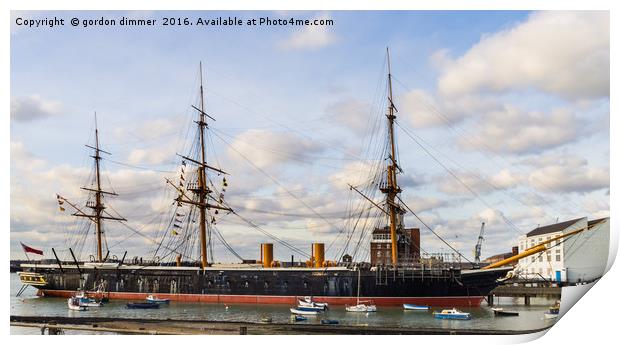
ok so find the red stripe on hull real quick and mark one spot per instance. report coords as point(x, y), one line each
point(457, 301)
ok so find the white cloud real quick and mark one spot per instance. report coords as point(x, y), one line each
point(151, 156)
point(565, 172)
point(267, 148)
point(310, 37)
point(33, 107)
point(479, 183)
point(351, 113)
point(512, 130)
point(35, 215)
point(562, 178)
point(154, 129)
point(563, 53)
point(421, 109)
point(505, 179)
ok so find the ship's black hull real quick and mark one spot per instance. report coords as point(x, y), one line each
point(384, 287)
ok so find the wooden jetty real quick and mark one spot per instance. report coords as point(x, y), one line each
point(57, 324)
point(526, 292)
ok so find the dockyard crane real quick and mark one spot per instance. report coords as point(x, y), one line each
point(478, 247)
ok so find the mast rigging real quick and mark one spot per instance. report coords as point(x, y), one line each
point(201, 189)
point(98, 206)
point(392, 189)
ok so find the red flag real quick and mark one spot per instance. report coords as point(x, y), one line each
point(31, 250)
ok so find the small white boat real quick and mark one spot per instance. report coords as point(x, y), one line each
point(86, 301)
point(452, 314)
point(502, 312)
point(361, 307)
point(550, 315)
point(154, 299)
point(298, 311)
point(553, 312)
point(416, 307)
point(74, 304)
point(308, 302)
point(89, 302)
point(315, 308)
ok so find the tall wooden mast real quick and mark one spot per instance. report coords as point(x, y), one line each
point(202, 178)
point(97, 206)
point(392, 185)
point(201, 189)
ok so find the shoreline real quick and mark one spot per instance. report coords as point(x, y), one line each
point(182, 327)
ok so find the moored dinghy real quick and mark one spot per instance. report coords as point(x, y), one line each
point(329, 322)
point(308, 302)
point(553, 312)
point(502, 312)
point(297, 318)
point(154, 299)
point(74, 304)
point(416, 307)
point(141, 305)
point(299, 311)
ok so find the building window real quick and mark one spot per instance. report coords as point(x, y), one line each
point(379, 254)
point(557, 258)
point(533, 259)
point(540, 258)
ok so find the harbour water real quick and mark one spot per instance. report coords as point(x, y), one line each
point(530, 317)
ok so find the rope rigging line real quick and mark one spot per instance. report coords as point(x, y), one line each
point(480, 178)
point(278, 183)
point(225, 243)
point(487, 151)
point(139, 167)
point(431, 230)
point(506, 220)
point(275, 238)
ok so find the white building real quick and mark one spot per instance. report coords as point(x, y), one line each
point(586, 254)
point(582, 257)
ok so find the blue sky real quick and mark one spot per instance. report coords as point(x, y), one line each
point(485, 89)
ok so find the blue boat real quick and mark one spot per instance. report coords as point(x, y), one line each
point(143, 305)
point(329, 322)
point(452, 314)
point(300, 318)
point(416, 307)
point(317, 309)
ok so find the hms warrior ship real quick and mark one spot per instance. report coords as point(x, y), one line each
point(397, 277)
